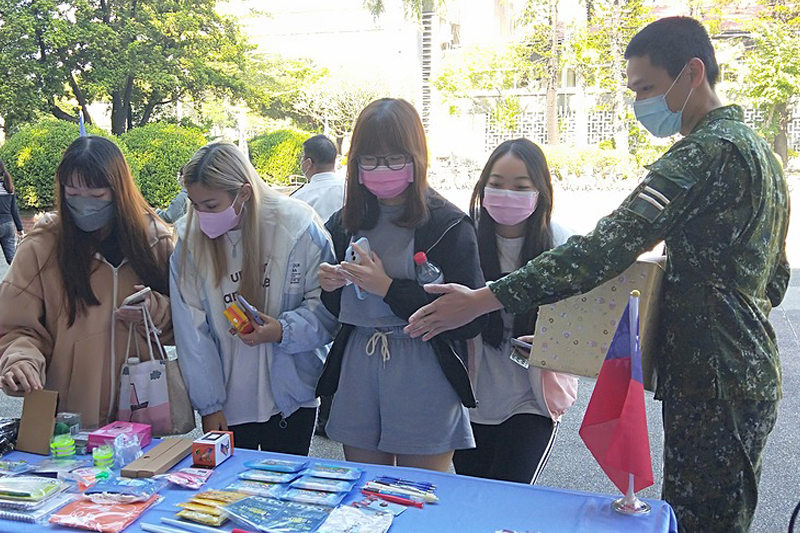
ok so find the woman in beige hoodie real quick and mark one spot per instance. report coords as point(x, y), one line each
point(60, 323)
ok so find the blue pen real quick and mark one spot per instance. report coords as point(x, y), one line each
point(427, 487)
point(421, 484)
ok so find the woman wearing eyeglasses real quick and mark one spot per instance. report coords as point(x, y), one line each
point(397, 400)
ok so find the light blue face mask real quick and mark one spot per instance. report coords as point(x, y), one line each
point(655, 115)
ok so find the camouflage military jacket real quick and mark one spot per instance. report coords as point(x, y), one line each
point(718, 199)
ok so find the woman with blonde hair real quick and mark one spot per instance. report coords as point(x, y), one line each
point(60, 323)
point(240, 237)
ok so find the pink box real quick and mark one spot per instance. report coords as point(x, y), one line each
point(107, 434)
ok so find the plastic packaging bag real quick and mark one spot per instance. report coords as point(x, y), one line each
point(122, 490)
point(126, 449)
point(321, 483)
point(190, 478)
point(351, 520)
point(269, 477)
point(315, 497)
point(277, 465)
point(14, 467)
point(276, 516)
point(85, 514)
point(257, 488)
point(28, 488)
point(334, 472)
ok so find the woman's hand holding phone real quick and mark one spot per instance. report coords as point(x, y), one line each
point(330, 277)
point(270, 331)
point(370, 274)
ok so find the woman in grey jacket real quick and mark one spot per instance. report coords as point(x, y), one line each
point(241, 237)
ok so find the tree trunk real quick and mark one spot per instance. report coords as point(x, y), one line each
point(120, 108)
point(551, 98)
point(76, 90)
point(781, 142)
point(617, 60)
point(119, 114)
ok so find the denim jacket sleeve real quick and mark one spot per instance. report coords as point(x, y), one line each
point(198, 348)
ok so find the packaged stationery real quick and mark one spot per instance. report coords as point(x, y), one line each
point(14, 467)
point(316, 497)
point(277, 516)
point(40, 513)
point(257, 488)
point(277, 465)
point(106, 518)
point(334, 472)
point(190, 478)
point(224, 496)
point(202, 518)
point(322, 483)
point(123, 490)
point(266, 475)
point(352, 520)
point(59, 467)
point(28, 488)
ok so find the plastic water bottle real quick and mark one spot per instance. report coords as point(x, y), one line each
point(427, 272)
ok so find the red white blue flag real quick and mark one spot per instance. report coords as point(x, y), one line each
point(614, 427)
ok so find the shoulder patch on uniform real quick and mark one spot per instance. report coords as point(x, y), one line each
point(655, 196)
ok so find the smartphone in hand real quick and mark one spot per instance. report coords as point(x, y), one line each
point(522, 345)
point(351, 256)
point(250, 309)
point(137, 297)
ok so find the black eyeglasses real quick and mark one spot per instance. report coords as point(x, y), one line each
point(393, 161)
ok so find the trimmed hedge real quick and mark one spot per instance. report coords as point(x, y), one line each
point(276, 154)
point(33, 154)
point(160, 150)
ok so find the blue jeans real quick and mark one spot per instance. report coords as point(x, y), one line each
point(8, 240)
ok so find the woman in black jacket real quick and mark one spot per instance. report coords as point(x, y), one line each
point(397, 400)
point(9, 215)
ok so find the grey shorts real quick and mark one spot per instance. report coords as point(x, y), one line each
point(396, 400)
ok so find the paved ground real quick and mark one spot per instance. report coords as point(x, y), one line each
point(571, 466)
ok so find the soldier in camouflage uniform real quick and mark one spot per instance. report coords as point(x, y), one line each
point(718, 199)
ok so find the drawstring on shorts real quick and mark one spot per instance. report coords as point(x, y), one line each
point(372, 343)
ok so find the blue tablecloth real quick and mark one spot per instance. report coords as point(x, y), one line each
point(465, 504)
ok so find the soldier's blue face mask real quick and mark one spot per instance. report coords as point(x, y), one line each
point(655, 115)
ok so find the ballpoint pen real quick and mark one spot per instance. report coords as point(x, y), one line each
point(422, 485)
point(393, 499)
point(427, 497)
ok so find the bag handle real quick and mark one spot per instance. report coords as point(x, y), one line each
point(152, 337)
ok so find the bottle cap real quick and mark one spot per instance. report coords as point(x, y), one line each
point(420, 258)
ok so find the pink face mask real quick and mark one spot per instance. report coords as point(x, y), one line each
point(386, 183)
point(216, 224)
point(509, 208)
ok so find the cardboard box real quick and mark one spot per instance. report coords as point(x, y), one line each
point(573, 335)
point(38, 421)
point(161, 458)
point(212, 449)
point(107, 434)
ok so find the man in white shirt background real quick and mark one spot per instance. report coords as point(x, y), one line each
point(324, 190)
point(325, 193)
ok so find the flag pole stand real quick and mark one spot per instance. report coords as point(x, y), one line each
point(630, 504)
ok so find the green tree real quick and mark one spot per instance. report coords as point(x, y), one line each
point(772, 80)
point(599, 53)
point(159, 150)
point(32, 155)
point(139, 54)
point(333, 103)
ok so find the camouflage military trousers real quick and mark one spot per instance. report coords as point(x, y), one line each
point(712, 461)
